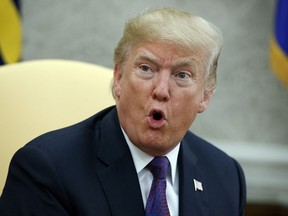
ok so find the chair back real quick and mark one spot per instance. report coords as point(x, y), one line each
point(44, 95)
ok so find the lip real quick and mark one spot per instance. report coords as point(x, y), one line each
point(153, 121)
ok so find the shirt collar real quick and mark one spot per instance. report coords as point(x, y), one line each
point(141, 159)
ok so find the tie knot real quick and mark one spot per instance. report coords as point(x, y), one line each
point(159, 167)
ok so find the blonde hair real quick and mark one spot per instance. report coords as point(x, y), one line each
point(189, 31)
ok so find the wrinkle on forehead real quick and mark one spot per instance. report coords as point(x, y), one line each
point(175, 59)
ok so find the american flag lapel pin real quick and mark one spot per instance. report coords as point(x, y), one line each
point(197, 185)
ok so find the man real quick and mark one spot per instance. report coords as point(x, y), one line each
point(120, 161)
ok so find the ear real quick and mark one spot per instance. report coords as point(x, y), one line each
point(117, 80)
point(207, 95)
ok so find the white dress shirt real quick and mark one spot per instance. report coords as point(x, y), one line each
point(141, 160)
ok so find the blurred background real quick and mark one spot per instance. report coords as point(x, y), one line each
point(248, 116)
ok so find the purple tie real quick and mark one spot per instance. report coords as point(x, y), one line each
point(157, 202)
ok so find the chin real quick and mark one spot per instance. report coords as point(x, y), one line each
point(156, 147)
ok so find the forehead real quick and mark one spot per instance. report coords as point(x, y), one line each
point(164, 52)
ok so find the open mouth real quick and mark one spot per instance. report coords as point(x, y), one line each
point(157, 119)
point(157, 116)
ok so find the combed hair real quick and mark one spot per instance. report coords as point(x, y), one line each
point(191, 33)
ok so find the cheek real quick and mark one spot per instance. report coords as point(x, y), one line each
point(185, 107)
point(136, 88)
point(131, 92)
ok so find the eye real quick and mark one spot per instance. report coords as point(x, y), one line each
point(145, 68)
point(183, 75)
point(145, 71)
point(184, 78)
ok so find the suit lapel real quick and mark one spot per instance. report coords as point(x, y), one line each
point(191, 202)
point(119, 178)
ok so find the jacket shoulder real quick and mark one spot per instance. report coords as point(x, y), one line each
point(71, 133)
point(202, 147)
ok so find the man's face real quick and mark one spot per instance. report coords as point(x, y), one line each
point(159, 91)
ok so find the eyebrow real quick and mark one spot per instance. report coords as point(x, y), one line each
point(181, 61)
point(148, 56)
point(186, 62)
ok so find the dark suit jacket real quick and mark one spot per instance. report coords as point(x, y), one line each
point(87, 169)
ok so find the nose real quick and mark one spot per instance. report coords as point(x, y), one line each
point(161, 90)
